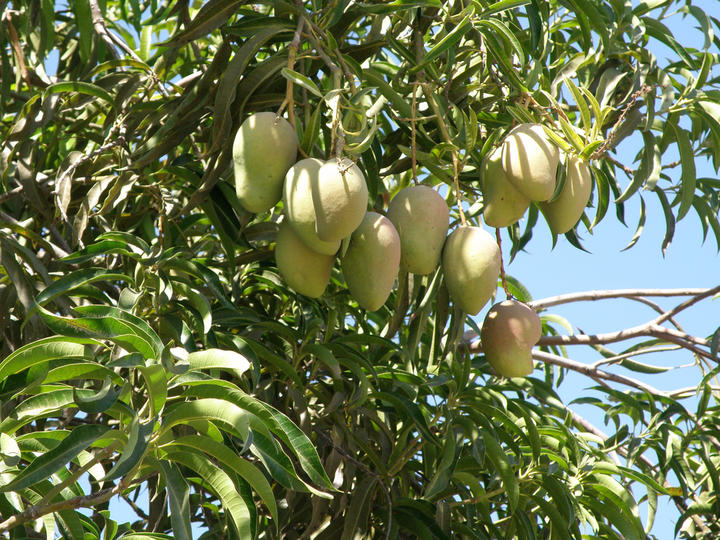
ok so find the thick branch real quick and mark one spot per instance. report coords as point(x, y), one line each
point(618, 293)
point(83, 501)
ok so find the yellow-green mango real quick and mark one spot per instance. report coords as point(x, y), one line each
point(340, 196)
point(509, 332)
point(371, 262)
point(299, 207)
point(421, 217)
point(503, 203)
point(471, 264)
point(303, 269)
point(530, 160)
point(265, 147)
point(564, 212)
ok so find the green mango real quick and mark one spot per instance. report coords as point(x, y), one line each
point(372, 260)
point(265, 147)
point(421, 217)
point(509, 332)
point(503, 203)
point(564, 212)
point(340, 197)
point(530, 160)
point(303, 269)
point(299, 206)
point(471, 264)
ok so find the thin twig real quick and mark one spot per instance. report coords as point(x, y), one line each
point(560, 361)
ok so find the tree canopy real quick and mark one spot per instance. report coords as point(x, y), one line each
point(150, 344)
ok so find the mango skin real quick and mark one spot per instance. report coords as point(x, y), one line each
point(564, 212)
point(421, 217)
point(340, 196)
point(265, 147)
point(509, 332)
point(504, 204)
point(471, 264)
point(299, 207)
point(530, 160)
point(304, 270)
point(372, 261)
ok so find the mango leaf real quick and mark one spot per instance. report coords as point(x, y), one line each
point(125, 334)
point(274, 420)
point(9, 450)
point(231, 361)
point(99, 402)
point(218, 481)
point(44, 351)
point(134, 450)
point(228, 458)
point(213, 14)
point(75, 279)
point(179, 501)
point(45, 465)
point(503, 468)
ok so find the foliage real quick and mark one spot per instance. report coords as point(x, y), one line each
point(150, 344)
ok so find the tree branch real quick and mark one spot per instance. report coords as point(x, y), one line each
point(595, 372)
point(537, 305)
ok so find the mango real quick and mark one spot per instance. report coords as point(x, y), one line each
point(372, 260)
point(504, 204)
point(340, 197)
point(564, 212)
point(471, 264)
point(299, 207)
point(303, 269)
point(265, 147)
point(421, 217)
point(530, 160)
point(509, 332)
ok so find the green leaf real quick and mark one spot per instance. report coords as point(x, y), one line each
point(689, 177)
point(231, 76)
point(231, 361)
point(44, 351)
point(275, 421)
point(80, 88)
point(218, 481)
point(99, 402)
point(213, 14)
point(45, 465)
point(356, 517)
point(179, 501)
point(447, 42)
point(229, 458)
point(498, 458)
point(9, 450)
point(301, 80)
point(134, 450)
point(126, 334)
point(156, 383)
point(76, 279)
point(225, 412)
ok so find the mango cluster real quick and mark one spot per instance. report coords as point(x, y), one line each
point(325, 203)
point(523, 169)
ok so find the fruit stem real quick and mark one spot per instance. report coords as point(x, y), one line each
point(456, 179)
point(413, 156)
point(502, 266)
point(292, 54)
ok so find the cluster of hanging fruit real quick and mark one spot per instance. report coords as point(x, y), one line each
point(325, 203)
